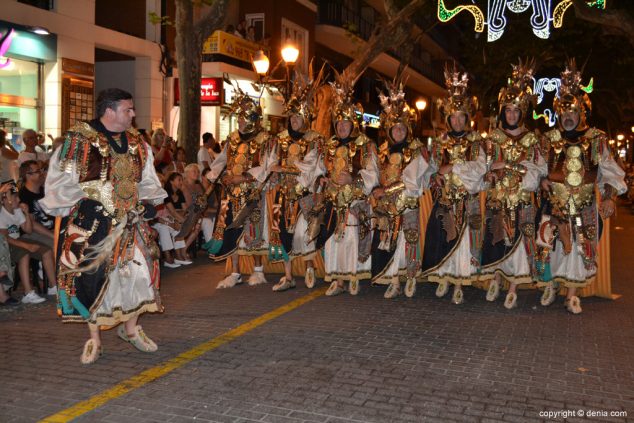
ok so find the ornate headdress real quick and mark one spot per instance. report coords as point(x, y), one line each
point(573, 97)
point(300, 100)
point(244, 106)
point(457, 100)
point(395, 108)
point(518, 91)
point(344, 107)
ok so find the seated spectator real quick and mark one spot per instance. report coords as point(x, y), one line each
point(29, 137)
point(176, 205)
point(205, 158)
point(195, 197)
point(8, 157)
point(13, 217)
point(168, 228)
point(41, 147)
point(30, 193)
point(162, 171)
point(212, 192)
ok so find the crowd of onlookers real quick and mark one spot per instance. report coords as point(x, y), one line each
point(248, 32)
point(183, 224)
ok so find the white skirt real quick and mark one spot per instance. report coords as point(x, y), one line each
point(341, 255)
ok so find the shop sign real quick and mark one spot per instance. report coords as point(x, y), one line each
point(227, 44)
point(210, 91)
point(77, 67)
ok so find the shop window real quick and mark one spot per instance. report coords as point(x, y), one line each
point(19, 99)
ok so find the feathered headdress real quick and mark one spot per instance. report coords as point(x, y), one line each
point(518, 90)
point(344, 107)
point(300, 100)
point(457, 85)
point(573, 96)
point(243, 105)
point(395, 108)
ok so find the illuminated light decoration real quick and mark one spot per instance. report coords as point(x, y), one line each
point(547, 85)
point(5, 43)
point(590, 87)
point(542, 14)
point(444, 14)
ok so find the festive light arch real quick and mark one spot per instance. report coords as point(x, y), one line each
point(541, 18)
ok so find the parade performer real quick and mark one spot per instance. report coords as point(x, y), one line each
point(352, 166)
point(103, 183)
point(404, 174)
point(453, 237)
point(516, 168)
point(243, 169)
point(299, 150)
point(579, 161)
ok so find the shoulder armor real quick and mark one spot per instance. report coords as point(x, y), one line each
point(529, 140)
point(498, 136)
point(594, 134)
point(362, 139)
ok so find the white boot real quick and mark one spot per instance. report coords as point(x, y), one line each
point(354, 287)
point(511, 300)
point(230, 281)
point(256, 278)
point(573, 304)
point(443, 288)
point(393, 290)
point(458, 296)
point(548, 297)
point(410, 287)
point(309, 278)
point(334, 289)
point(284, 284)
point(494, 290)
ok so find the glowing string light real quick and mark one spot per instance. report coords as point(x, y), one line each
point(547, 85)
point(444, 14)
point(542, 14)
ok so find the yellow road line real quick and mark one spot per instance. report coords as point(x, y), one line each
point(180, 360)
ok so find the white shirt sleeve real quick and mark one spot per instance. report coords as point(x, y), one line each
point(61, 189)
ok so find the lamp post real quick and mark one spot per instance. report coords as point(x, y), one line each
point(421, 104)
point(261, 64)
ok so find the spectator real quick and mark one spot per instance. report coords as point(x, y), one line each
point(29, 137)
point(30, 193)
point(161, 147)
point(178, 165)
point(205, 158)
point(176, 205)
point(8, 156)
point(251, 34)
point(241, 29)
point(41, 146)
point(14, 217)
point(6, 281)
point(194, 195)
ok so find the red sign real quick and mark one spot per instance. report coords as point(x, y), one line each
point(210, 91)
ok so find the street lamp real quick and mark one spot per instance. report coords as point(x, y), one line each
point(261, 63)
point(420, 104)
point(620, 137)
point(290, 53)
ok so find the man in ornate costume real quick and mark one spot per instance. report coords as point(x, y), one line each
point(579, 161)
point(404, 174)
point(300, 165)
point(102, 181)
point(516, 168)
point(243, 169)
point(352, 166)
point(453, 234)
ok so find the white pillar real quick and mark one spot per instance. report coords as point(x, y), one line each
point(148, 93)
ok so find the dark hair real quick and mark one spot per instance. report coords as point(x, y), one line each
point(109, 99)
point(179, 149)
point(24, 168)
point(168, 183)
point(161, 167)
point(207, 136)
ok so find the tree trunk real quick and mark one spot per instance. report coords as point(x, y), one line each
point(188, 45)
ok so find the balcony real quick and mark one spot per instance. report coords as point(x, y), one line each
point(228, 48)
point(335, 13)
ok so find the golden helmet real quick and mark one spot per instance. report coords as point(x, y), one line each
point(518, 91)
point(457, 100)
point(300, 101)
point(244, 106)
point(344, 107)
point(395, 108)
point(573, 96)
